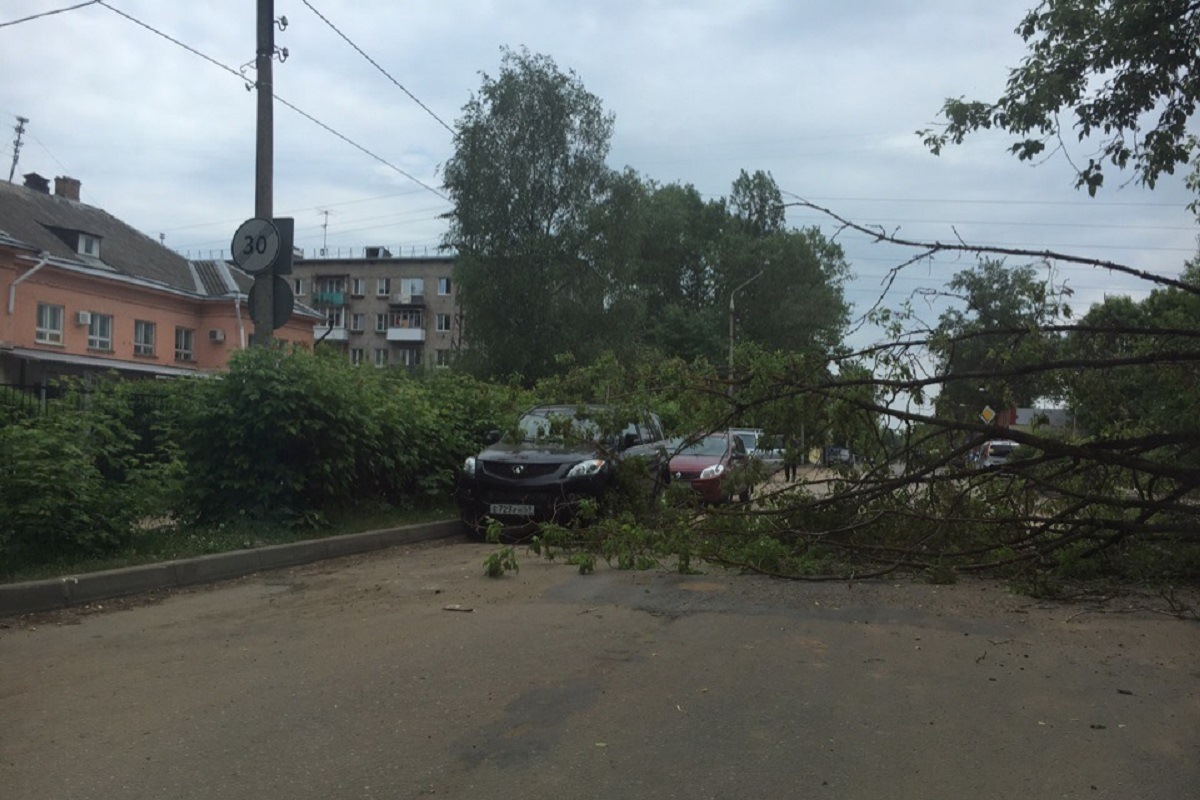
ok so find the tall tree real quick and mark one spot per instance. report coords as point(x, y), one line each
point(984, 346)
point(757, 203)
point(1126, 72)
point(527, 174)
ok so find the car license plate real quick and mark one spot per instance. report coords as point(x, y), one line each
point(511, 509)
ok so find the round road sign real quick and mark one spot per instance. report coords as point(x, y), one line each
point(255, 245)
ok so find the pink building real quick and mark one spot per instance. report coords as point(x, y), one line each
point(83, 292)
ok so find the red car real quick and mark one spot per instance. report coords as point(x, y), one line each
point(709, 464)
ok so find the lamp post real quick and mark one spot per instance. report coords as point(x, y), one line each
point(737, 289)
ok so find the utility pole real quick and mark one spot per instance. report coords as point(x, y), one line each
point(737, 289)
point(20, 129)
point(262, 312)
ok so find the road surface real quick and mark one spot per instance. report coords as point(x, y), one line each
point(407, 674)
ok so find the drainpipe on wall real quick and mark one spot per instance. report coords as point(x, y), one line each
point(237, 307)
point(44, 258)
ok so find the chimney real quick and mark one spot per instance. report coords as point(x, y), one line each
point(67, 187)
point(37, 183)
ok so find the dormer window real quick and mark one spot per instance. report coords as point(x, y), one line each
point(89, 245)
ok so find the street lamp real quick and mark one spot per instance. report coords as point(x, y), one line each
point(737, 289)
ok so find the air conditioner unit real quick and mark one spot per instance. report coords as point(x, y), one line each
point(216, 335)
point(83, 318)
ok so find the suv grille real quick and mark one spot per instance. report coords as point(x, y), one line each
point(516, 471)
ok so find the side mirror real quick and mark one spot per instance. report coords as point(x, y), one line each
point(491, 438)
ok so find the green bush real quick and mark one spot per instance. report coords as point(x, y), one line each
point(287, 434)
point(72, 480)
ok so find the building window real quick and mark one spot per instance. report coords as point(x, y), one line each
point(443, 357)
point(410, 288)
point(443, 323)
point(49, 324)
point(100, 332)
point(331, 285)
point(143, 338)
point(356, 356)
point(358, 322)
point(185, 344)
point(383, 286)
point(410, 358)
point(443, 286)
point(381, 357)
point(381, 323)
point(298, 287)
point(407, 319)
point(89, 245)
point(335, 317)
point(358, 287)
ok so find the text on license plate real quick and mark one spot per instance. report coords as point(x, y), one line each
point(511, 509)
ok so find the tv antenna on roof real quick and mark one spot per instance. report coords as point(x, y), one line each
point(20, 129)
point(324, 230)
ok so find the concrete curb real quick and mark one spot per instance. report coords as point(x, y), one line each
point(22, 598)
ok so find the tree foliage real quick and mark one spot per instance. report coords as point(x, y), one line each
point(984, 346)
point(1122, 72)
point(526, 176)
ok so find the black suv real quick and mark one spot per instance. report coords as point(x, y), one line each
point(555, 457)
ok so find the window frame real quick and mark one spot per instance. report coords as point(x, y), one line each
point(186, 353)
point(441, 318)
point(97, 340)
point(444, 287)
point(143, 345)
point(45, 329)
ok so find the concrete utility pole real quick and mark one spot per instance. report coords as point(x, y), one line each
point(737, 289)
point(20, 129)
point(264, 167)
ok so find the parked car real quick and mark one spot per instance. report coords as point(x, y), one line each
point(767, 449)
point(993, 453)
point(834, 456)
point(711, 465)
point(556, 457)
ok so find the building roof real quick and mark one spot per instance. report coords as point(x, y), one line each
point(44, 222)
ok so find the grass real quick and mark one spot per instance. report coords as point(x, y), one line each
point(166, 542)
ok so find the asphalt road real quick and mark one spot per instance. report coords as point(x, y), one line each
point(351, 679)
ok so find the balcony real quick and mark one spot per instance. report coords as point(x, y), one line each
point(403, 299)
point(406, 334)
point(329, 298)
point(327, 334)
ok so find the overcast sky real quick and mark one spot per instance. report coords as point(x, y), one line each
point(824, 94)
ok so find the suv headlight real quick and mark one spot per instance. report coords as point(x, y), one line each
point(589, 467)
point(469, 467)
point(713, 471)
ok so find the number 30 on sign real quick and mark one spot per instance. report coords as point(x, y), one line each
point(255, 245)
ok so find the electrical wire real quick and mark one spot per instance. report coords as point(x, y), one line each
point(376, 65)
point(279, 99)
point(49, 13)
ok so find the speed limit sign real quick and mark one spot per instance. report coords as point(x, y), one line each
point(255, 245)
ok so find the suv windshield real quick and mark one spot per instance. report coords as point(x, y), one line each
point(558, 426)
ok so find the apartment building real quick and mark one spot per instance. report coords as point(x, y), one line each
point(85, 293)
point(382, 309)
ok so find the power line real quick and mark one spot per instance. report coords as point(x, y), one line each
point(50, 13)
point(375, 64)
point(279, 99)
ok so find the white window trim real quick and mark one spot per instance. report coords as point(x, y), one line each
point(49, 333)
point(95, 340)
point(187, 353)
point(141, 347)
